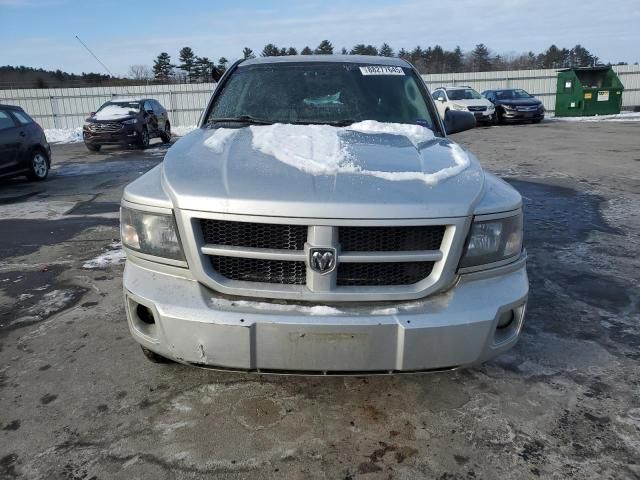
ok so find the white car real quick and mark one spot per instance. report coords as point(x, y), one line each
point(465, 99)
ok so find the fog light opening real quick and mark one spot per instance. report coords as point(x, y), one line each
point(506, 319)
point(145, 315)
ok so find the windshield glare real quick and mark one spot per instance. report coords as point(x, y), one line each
point(322, 93)
point(463, 94)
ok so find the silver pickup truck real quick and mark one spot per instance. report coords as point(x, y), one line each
point(320, 221)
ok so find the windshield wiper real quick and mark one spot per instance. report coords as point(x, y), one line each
point(241, 118)
point(334, 123)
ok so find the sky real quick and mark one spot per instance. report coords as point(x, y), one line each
point(41, 33)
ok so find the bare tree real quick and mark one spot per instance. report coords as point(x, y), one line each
point(140, 72)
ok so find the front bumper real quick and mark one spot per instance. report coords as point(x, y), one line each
point(195, 325)
point(515, 115)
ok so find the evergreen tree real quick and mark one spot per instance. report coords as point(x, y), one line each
point(270, 50)
point(187, 61)
point(385, 50)
point(201, 70)
point(362, 49)
point(325, 48)
point(481, 58)
point(222, 64)
point(292, 51)
point(162, 67)
point(306, 51)
point(344, 51)
point(247, 53)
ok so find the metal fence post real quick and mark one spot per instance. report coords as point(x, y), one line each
point(54, 113)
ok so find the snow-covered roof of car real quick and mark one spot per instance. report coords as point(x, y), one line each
point(364, 59)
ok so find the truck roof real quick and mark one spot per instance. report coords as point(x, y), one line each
point(363, 59)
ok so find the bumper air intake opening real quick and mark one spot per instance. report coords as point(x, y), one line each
point(508, 325)
point(145, 315)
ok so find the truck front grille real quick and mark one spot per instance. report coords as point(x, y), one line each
point(273, 260)
point(254, 235)
point(391, 239)
point(260, 270)
point(379, 274)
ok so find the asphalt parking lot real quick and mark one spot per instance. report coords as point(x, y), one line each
point(79, 400)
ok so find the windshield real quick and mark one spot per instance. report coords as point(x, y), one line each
point(463, 94)
point(510, 94)
point(126, 106)
point(335, 93)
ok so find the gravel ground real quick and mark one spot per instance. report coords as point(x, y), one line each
point(79, 401)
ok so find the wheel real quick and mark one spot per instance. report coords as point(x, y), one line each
point(144, 138)
point(166, 134)
point(153, 357)
point(93, 147)
point(494, 119)
point(39, 168)
point(537, 120)
point(500, 118)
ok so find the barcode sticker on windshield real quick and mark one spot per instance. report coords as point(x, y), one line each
point(381, 70)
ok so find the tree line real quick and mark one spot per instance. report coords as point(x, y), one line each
point(434, 59)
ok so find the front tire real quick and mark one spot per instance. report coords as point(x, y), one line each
point(93, 147)
point(144, 138)
point(39, 168)
point(166, 134)
point(153, 357)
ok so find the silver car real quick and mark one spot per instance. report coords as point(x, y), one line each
point(321, 221)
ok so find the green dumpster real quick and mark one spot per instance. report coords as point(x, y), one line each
point(588, 91)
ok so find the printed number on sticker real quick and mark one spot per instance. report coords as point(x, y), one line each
point(381, 70)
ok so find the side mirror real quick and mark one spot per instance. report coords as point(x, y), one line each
point(92, 114)
point(441, 99)
point(457, 121)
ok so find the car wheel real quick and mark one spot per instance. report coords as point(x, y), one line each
point(537, 120)
point(166, 134)
point(153, 357)
point(93, 147)
point(499, 118)
point(144, 138)
point(39, 168)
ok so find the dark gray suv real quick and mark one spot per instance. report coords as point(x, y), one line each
point(127, 121)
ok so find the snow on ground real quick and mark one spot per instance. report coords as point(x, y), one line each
point(620, 117)
point(114, 256)
point(64, 135)
point(182, 130)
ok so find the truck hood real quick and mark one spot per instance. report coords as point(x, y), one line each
point(384, 176)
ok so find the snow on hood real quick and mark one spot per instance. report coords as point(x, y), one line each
point(114, 112)
point(319, 149)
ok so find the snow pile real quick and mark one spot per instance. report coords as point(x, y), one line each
point(114, 112)
point(63, 135)
point(416, 134)
point(182, 130)
point(318, 149)
point(620, 117)
point(114, 256)
point(315, 149)
point(220, 137)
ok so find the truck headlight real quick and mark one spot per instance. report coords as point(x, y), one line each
point(493, 240)
point(130, 121)
point(150, 233)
